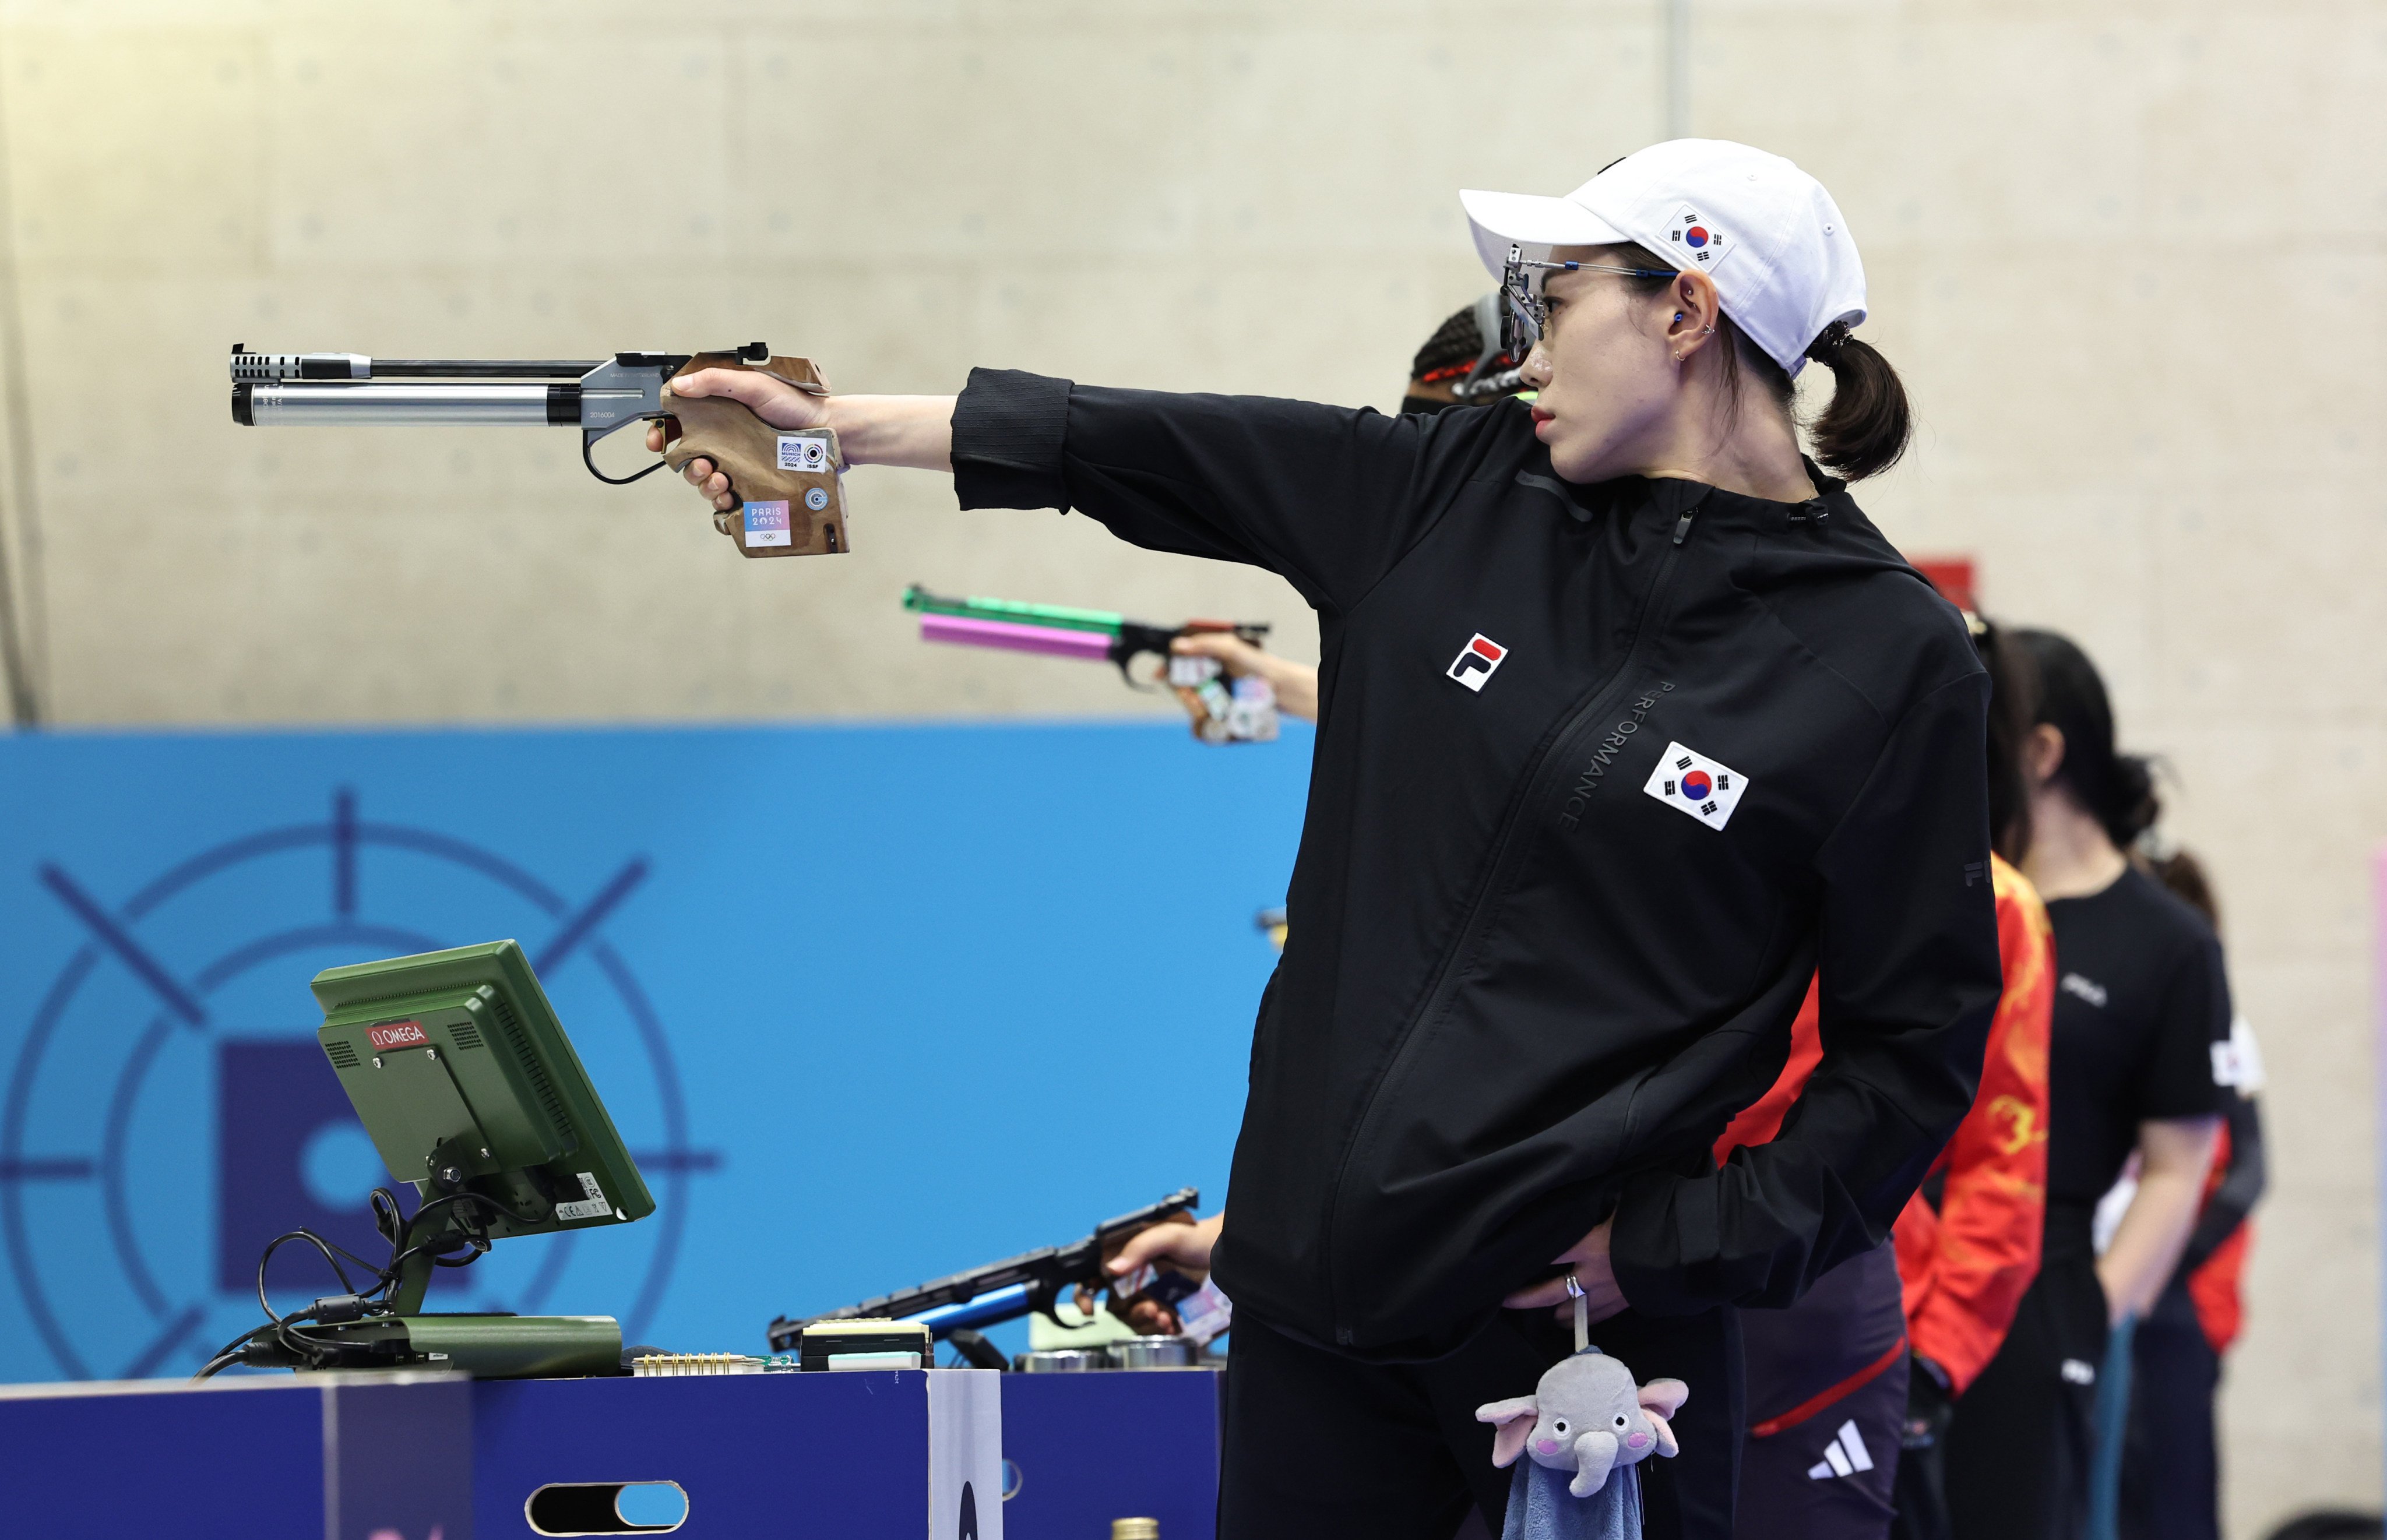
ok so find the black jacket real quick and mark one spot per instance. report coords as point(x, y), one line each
point(1520, 994)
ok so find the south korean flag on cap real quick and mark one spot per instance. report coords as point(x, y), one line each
point(1696, 240)
point(1689, 782)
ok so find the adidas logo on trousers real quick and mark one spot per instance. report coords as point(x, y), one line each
point(1845, 1456)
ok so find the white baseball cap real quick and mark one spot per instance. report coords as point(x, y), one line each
point(1782, 261)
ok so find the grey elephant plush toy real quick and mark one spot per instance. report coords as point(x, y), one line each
point(1585, 1420)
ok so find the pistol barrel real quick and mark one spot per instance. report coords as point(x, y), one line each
point(259, 405)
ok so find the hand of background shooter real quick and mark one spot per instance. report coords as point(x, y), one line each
point(1295, 684)
point(1184, 1246)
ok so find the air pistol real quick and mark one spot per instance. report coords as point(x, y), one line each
point(786, 479)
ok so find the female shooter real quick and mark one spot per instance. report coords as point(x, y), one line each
point(1629, 720)
point(2141, 999)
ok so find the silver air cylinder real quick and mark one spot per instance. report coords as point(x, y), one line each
point(314, 404)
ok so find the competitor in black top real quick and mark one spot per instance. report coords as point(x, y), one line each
point(1630, 722)
point(2141, 1002)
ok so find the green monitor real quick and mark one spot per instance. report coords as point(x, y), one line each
point(470, 1091)
point(462, 1075)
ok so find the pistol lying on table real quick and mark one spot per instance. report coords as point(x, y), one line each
point(786, 479)
point(1032, 1282)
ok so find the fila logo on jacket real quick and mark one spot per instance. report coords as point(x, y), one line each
point(1477, 661)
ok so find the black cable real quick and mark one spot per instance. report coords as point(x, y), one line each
point(373, 1267)
point(389, 1221)
point(393, 1224)
point(236, 1343)
point(316, 1353)
point(296, 1349)
point(480, 1249)
point(321, 1245)
point(226, 1359)
point(474, 1197)
point(439, 1257)
point(438, 1246)
point(231, 1353)
point(283, 1325)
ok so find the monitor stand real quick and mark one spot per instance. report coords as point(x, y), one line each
point(485, 1344)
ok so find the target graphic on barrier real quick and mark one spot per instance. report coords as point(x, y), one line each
point(169, 1111)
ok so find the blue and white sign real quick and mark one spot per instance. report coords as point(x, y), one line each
point(960, 991)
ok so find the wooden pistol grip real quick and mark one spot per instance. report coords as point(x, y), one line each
point(786, 479)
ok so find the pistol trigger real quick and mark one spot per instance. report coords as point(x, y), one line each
point(1123, 655)
point(589, 437)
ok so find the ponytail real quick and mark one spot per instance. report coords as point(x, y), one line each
point(1865, 429)
point(2136, 804)
point(2117, 789)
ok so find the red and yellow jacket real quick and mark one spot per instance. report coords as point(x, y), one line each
point(2212, 1285)
point(1965, 1264)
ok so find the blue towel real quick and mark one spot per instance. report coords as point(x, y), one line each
point(1540, 1506)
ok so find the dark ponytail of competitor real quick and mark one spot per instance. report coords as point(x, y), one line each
point(1865, 430)
point(2117, 789)
point(2013, 711)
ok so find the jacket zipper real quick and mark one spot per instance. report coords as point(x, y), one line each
point(1603, 696)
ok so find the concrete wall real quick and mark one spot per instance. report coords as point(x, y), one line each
point(2129, 254)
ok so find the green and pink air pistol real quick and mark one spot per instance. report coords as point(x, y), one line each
point(1058, 631)
point(1225, 709)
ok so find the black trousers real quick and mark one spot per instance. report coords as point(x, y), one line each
point(1319, 1445)
point(1829, 1475)
point(1793, 1487)
point(2018, 1447)
point(2171, 1474)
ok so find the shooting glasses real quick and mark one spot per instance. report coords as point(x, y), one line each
point(1523, 312)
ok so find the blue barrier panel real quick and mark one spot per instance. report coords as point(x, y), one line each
point(327, 1458)
point(866, 1455)
point(1084, 1449)
point(869, 1005)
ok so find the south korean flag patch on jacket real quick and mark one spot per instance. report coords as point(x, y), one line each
point(1689, 782)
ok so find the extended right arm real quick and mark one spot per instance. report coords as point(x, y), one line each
point(1327, 496)
point(915, 431)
